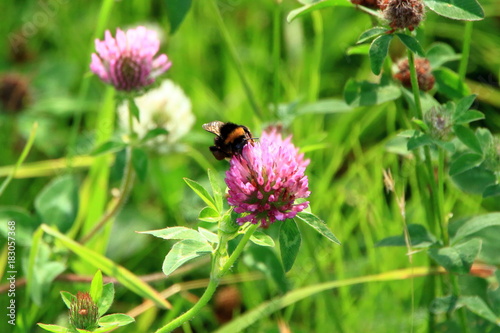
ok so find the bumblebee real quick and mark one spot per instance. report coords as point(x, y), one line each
point(230, 138)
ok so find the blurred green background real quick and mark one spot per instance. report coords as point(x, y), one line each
point(48, 44)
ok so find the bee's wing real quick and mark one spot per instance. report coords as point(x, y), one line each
point(213, 127)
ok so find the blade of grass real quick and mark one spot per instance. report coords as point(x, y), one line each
point(236, 60)
point(124, 276)
point(104, 14)
point(47, 168)
point(269, 307)
point(21, 159)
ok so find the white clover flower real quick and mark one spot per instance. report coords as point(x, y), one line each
point(164, 107)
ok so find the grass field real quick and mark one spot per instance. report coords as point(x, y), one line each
point(243, 62)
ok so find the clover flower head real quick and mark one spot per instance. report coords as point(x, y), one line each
point(14, 92)
point(83, 312)
point(165, 107)
point(424, 74)
point(439, 121)
point(128, 61)
point(403, 14)
point(265, 180)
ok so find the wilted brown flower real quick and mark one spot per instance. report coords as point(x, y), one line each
point(14, 92)
point(424, 76)
point(227, 302)
point(403, 14)
point(18, 48)
point(367, 3)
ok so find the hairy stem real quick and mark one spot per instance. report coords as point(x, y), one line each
point(462, 69)
point(217, 273)
point(125, 187)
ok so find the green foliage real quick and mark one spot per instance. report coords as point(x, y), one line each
point(106, 299)
point(477, 224)
point(315, 5)
point(365, 93)
point(290, 240)
point(418, 237)
point(133, 109)
point(378, 52)
point(114, 320)
point(182, 252)
point(450, 84)
point(411, 43)
point(313, 78)
point(42, 269)
point(371, 34)
point(475, 304)
point(25, 226)
point(57, 203)
point(265, 260)
point(262, 239)
point(325, 106)
point(176, 12)
point(440, 53)
point(176, 233)
point(476, 180)
point(208, 214)
point(54, 328)
point(208, 235)
point(457, 258)
point(465, 162)
point(202, 193)
point(468, 138)
point(96, 287)
point(140, 163)
point(155, 132)
point(124, 276)
point(317, 224)
point(109, 147)
point(216, 190)
point(68, 298)
point(479, 307)
point(467, 10)
point(102, 296)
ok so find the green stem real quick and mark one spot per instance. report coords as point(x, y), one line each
point(125, 188)
point(235, 59)
point(440, 199)
point(432, 290)
point(433, 188)
point(21, 158)
point(426, 179)
point(314, 70)
point(276, 55)
point(332, 307)
point(419, 115)
point(414, 85)
point(462, 69)
point(236, 253)
point(104, 13)
point(437, 188)
point(215, 276)
point(462, 315)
